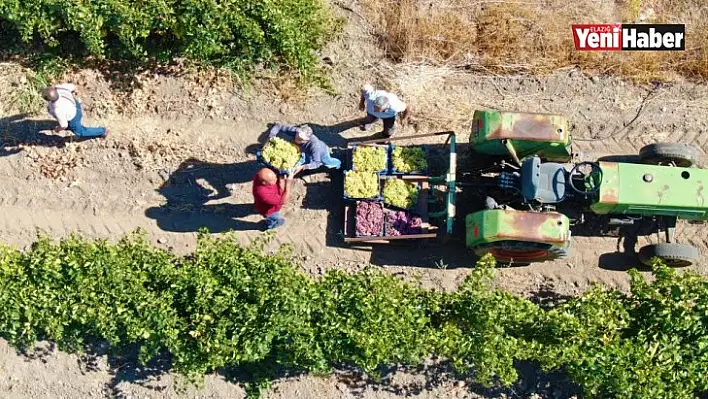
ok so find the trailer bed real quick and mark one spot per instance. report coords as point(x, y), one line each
point(431, 188)
point(421, 210)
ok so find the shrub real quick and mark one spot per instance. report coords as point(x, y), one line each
point(237, 33)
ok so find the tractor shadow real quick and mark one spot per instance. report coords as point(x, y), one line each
point(193, 185)
point(19, 131)
point(624, 257)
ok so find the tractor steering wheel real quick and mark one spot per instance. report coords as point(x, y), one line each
point(591, 175)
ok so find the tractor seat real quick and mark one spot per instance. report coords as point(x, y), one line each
point(543, 182)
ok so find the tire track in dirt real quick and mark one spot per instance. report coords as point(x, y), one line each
point(22, 218)
point(117, 215)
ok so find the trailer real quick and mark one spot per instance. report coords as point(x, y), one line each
point(435, 205)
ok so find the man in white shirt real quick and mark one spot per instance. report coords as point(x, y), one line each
point(66, 109)
point(380, 104)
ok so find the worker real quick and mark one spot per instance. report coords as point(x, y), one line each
point(66, 109)
point(270, 193)
point(380, 104)
point(317, 154)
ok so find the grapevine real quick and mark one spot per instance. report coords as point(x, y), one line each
point(400, 193)
point(369, 159)
point(358, 184)
point(369, 218)
point(281, 154)
point(229, 306)
point(239, 36)
point(409, 159)
point(402, 223)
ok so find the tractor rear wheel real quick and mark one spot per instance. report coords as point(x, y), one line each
point(673, 255)
point(682, 155)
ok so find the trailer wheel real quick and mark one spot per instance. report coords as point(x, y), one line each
point(673, 255)
point(682, 155)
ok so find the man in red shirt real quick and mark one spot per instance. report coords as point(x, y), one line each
point(270, 193)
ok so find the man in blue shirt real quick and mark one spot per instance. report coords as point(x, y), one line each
point(380, 104)
point(316, 152)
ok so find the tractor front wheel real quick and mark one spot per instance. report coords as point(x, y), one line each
point(681, 155)
point(522, 253)
point(673, 255)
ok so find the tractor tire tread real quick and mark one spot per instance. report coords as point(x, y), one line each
point(652, 153)
point(669, 251)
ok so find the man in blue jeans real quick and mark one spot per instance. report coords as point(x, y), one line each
point(317, 154)
point(66, 109)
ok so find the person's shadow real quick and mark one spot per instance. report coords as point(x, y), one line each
point(187, 210)
point(18, 130)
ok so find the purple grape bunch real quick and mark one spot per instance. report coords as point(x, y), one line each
point(402, 223)
point(369, 218)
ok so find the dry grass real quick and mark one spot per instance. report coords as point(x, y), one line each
point(419, 85)
point(535, 37)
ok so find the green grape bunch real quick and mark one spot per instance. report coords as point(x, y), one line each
point(281, 154)
point(409, 159)
point(400, 193)
point(359, 184)
point(369, 159)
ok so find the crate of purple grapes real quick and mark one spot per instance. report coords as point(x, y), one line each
point(401, 223)
point(369, 219)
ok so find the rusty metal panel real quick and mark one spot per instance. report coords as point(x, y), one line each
point(547, 227)
point(608, 195)
point(531, 127)
point(506, 224)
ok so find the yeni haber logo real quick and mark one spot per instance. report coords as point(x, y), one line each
point(630, 37)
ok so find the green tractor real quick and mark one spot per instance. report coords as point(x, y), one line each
point(531, 205)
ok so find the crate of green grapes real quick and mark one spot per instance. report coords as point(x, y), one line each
point(360, 185)
point(280, 155)
point(400, 194)
point(370, 158)
point(408, 160)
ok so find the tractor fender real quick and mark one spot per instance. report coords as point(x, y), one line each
point(493, 225)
